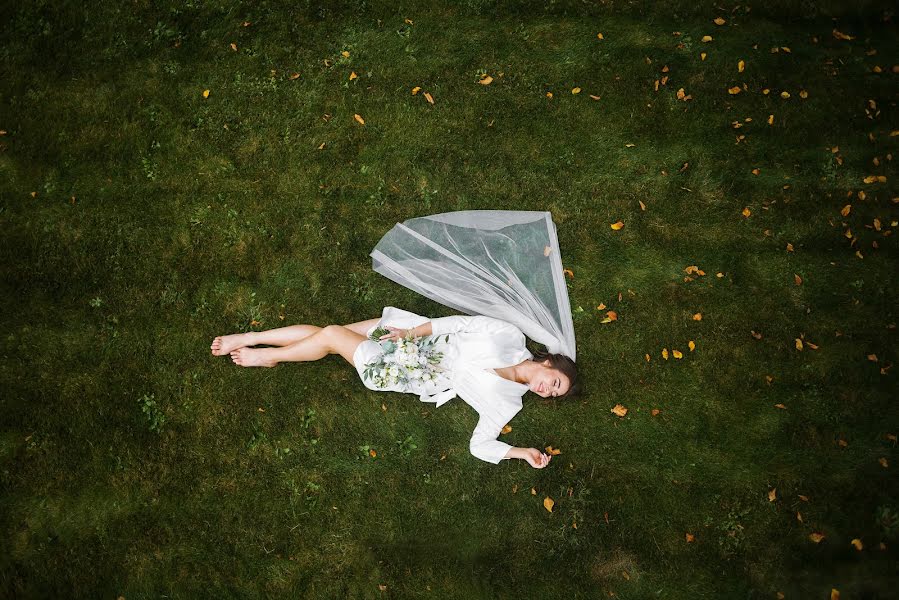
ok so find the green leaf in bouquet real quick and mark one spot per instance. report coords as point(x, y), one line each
point(377, 333)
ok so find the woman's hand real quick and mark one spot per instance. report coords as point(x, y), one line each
point(535, 458)
point(395, 333)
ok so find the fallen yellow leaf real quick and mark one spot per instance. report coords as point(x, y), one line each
point(677, 354)
point(655, 412)
point(734, 90)
point(372, 453)
point(665, 353)
point(798, 280)
point(553, 451)
point(746, 212)
point(548, 503)
point(415, 90)
point(857, 543)
point(506, 429)
point(702, 55)
point(772, 495)
point(785, 95)
point(719, 21)
point(576, 90)
point(803, 94)
point(697, 317)
point(205, 93)
point(359, 119)
point(345, 54)
point(740, 66)
point(429, 98)
point(770, 119)
point(486, 80)
point(842, 36)
point(692, 346)
point(816, 537)
point(619, 410)
point(689, 537)
point(353, 75)
point(234, 46)
point(616, 226)
point(599, 36)
point(707, 38)
point(798, 344)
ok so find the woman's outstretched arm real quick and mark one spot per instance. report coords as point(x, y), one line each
point(485, 446)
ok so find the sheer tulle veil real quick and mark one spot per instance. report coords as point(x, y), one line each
point(504, 264)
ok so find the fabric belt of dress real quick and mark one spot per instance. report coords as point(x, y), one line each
point(439, 398)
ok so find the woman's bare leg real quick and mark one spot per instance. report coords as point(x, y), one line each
point(333, 339)
point(282, 336)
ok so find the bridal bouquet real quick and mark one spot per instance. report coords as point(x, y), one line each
point(408, 360)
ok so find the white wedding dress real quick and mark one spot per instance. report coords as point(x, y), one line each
point(476, 346)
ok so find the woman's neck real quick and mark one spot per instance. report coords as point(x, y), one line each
point(514, 373)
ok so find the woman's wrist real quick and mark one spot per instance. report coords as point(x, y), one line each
point(514, 452)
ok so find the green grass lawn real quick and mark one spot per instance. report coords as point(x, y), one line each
point(141, 219)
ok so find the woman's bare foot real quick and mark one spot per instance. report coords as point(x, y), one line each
point(225, 344)
point(253, 357)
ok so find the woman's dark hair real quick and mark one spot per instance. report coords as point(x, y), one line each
point(566, 366)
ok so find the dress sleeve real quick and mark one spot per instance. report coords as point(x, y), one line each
point(484, 444)
point(464, 324)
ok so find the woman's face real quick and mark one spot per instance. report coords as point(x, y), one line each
point(549, 382)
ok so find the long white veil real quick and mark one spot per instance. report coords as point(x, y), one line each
point(504, 264)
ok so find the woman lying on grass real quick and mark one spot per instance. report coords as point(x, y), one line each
point(481, 359)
